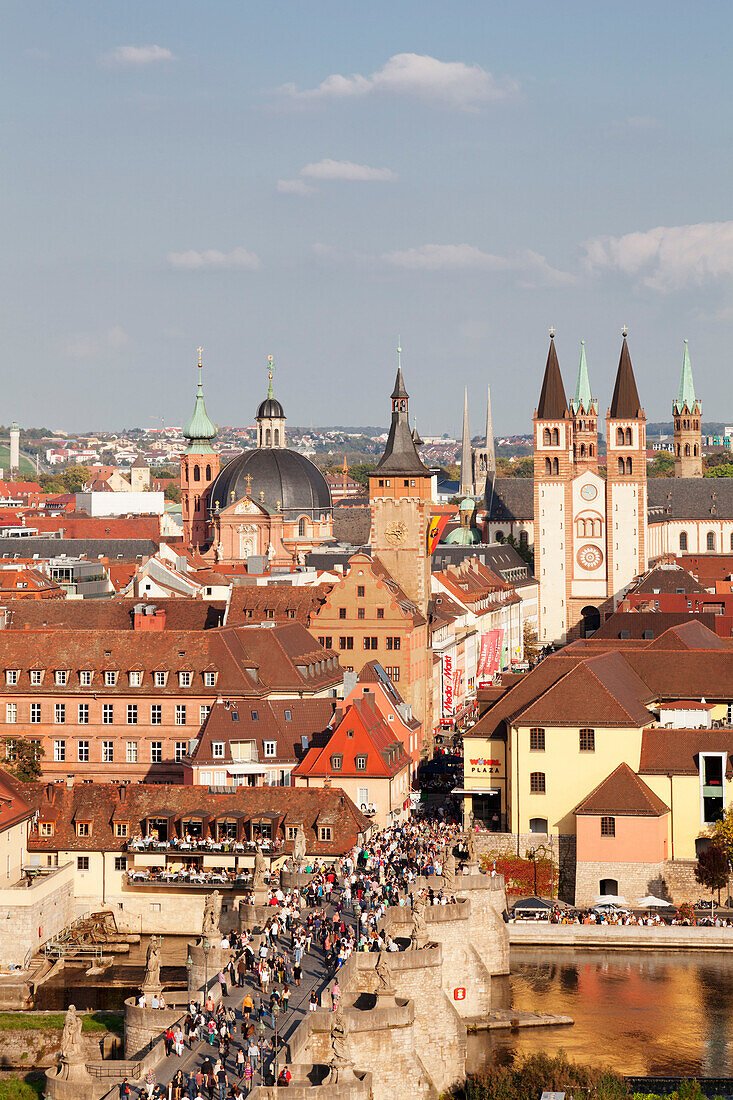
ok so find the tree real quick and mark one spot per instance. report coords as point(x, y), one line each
point(529, 638)
point(523, 549)
point(723, 833)
point(360, 472)
point(723, 469)
point(173, 492)
point(23, 758)
point(520, 467)
point(712, 868)
point(662, 465)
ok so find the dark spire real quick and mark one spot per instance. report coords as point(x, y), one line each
point(625, 403)
point(399, 390)
point(553, 404)
point(400, 453)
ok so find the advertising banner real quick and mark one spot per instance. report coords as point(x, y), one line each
point(448, 705)
point(490, 656)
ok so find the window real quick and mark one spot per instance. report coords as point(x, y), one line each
point(10, 751)
point(136, 678)
point(59, 713)
point(209, 679)
point(380, 612)
point(336, 761)
point(608, 886)
point(342, 613)
point(62, 677)
point(120, 863)
point(156, 752)
point(35, 747)
point(361, 762)
point(360, 613)
point(587, 740)
point(711, 540)
point(46, 828)
point(537, 782)
point(538, 825)
point(608, 826)
point(85, 678)
point(291, 831)
point(83, 828)
point(11, 713)
point(82, 863)
point(546, 437)
point(82, 750)
point(35, 713)
point(204, 711)
point(301, 528)
point(683, 540)
point(108, 752)
point(621, 466)
point(131, 752)
point(270, 748)
point(537, 740)
point(181, 750)
point(59, 751)
point(11, 676)
point(370, 643)
point(36, 676)
point(325, 832)
point(346, 643)
point(132, 714)
point(159, 678)
point(108, 714)
point(110, 678)
point(288, 715)
point(255, 715)
point(393, 643)
point(180, 714)
point(83, 714)
point(184, 679)
point(326, 642)
point(555, 437)
point(156, 715)
point(394, 673)
point(360, 590)
point(217, 749)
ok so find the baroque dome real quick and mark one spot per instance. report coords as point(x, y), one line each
point(281, 476)
point(270, 409)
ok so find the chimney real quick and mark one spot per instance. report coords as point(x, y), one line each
point(122, 792)
point(69, 781)
point(148, 617)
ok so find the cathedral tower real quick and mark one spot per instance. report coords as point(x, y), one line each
point(584, 408)
point(687, 416)
point(553, 468)
point(199, 468)
point(484, 461)
point(270, 416)
point(626, 489)
point(466, 482)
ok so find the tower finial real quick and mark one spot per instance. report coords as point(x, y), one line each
point(270, 369)
point(201, 365)
point(625, 331)
point(552, 332)
point(399, 354)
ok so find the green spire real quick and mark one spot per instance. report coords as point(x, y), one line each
point(686, 395)
point(200, 429)
point(583, 396)
point(270, 369)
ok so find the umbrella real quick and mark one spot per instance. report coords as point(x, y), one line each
point(609, 899)
point(650, 902)
point(535, 905)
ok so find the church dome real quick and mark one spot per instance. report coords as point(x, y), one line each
point(462, 536)
point(270, 409)
point(279, 475)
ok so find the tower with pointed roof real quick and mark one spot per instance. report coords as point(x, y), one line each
point(687, 417)
point(270, 416)
point(199, 467)
point(584, 409)
point(483, 460)
point(466, 487)
point(626, 483)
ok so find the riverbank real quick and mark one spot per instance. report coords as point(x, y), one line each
point(634, 937)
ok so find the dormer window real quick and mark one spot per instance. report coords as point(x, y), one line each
point(184, 679)
point(361, 762)
point(36, 677)
point(217, 750)
point(270, 748)
point(61, 677)
point(45, 828)
point(12, 675)
point(210, 679)
point(121, 828)
point(136, 678)
point(337, 762)
point(110, 678)
point(85, 678)
point(160, 679)
point(84, 828)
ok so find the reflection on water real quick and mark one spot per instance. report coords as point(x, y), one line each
point(109, 990)
point(643, 1013)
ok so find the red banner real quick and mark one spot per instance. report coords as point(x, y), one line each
point(489, 660)
point(435, 530)
point(448, 697)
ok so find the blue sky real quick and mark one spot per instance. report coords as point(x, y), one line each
point(309, 179)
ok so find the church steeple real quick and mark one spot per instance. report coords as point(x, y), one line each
point(466, 489)
point(553, 404)
point(200, 429)
point(625, 403)
point(400, 453)
point(584, 408)
point(687, 416)
point(583, 400)
point(686, 395)
point(270, 416)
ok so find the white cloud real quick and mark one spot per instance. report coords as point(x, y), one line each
point(346, 170)
point(294, 187)
point(88, 345)
point(213, 258)
point(533, 269)
point(134, 57)
point(451, 83)
point(669, 257)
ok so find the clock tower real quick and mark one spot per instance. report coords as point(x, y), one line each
point(400, 492)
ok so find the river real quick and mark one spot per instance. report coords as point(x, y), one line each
point(640, 1012)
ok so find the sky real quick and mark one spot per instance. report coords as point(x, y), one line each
point(312, 180)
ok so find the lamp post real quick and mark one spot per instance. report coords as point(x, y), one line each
point(206, 948)
point(189, 968)
point(275, 1019)
point(261, 1031)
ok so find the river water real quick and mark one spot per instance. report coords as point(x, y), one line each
point(644, 1013)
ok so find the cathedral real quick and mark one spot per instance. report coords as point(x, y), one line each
point(594, 530)
point(270, 501)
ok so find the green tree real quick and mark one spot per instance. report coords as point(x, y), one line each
point(520, 467)
point(23, 758)
point(724, 469)
point(360, 472)
point(723, 833)
point(531, 649)
point(662, 465)
point(712, 869)
point(173, 492)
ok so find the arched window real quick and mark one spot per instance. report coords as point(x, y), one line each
point(697, 425)
point(581, 528)
point(538, 825)
point(678, 450)
point(629, 469)
point(555, 466)
point(621, 466)
point(609, 887)
point(711, 540)
point(499, 536)
point(591, 450)
point(524, 538)
point(185, 473)
point(591, 621)
point(276, 437)
point(582, 450)
point(208, 473)
point(620, 437)
point(301, 527)
point(268, 438)
point(628, 437)
point(683, 540)
point(694, 450)
point(547, 437)
point(582, 425)
point(555, 437)
point(687, 450)
point(196, 473)
point(548, 466)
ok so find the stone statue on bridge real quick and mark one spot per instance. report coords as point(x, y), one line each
point(449, 872)
point(339, 1061)
point(419, 933)
point(384, 975)
point(471, 846)
point(151, 981)
point(298, 848)
point(72, 1051)
point(258, 874)
point(212, 911)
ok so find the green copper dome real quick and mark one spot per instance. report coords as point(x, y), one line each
point(467, 505)
point(462, 536)
point(200, 429)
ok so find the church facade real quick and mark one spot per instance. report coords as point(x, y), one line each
point(594, 530)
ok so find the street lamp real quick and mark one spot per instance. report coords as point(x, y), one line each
point(206, 948)
point(261, 1031)
point(275, 1018)
point(189, 968)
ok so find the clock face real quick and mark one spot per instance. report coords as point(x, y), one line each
point(589, 556)
point(589, 492)
point(396, 533)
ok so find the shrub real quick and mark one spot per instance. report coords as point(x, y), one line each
point(531, 1075)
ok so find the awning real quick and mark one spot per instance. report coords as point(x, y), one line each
point(160, 815)
point(462, 791)
point(246, 769)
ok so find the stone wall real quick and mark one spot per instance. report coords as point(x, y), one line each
point(41, 1048)
point(151, 909)
point(672, 880)
point(145, 1024)
point(498, 845)
point(32, 915)
point(617, 936)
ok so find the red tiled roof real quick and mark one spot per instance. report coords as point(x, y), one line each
point(602, 691)
point(624, 794)
point(276, 602)
point(675, 752)
point(116, 614)
point(362, 731)
point(284, 721)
